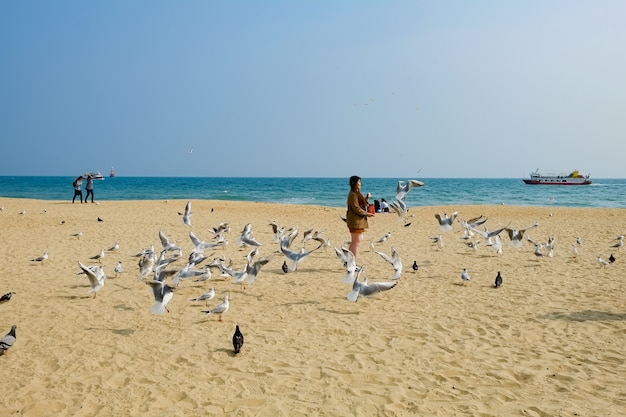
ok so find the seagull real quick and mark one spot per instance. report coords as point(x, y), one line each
point(162, 293)
point(167, 245)
point(8, 340)
point(99, 256)
point(579, 240)
point(383, 239)
point(277, 231)
point(404, 187)
point(6, 297)
point(395, 261)
point(603, 262)
point(253, 269)
point(237, 340)
point(538, 252)
point(295, 258)
point(574, 251)
point(219, 309)
point(246, 238)
point(445, 221)
point(95, 276)
point(497, 245)
point(399, 207)
point(41, 258)
point(465, 275)
point(115, 247)
point(365, 289)
point(473, 245)
point(438, 240)
point(77, 235)
point(187, 214)
point(415, 266)
point(205, 296)
point(118, 268)
point(517, 236)
point(619, 242)
point(489, 235)
point(498, 282)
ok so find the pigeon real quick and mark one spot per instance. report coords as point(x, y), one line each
point(498, 282)
point(237, 340)
point(205, 296)
point(187, 214)
point(465, 275)
point(285, 268)
point(445, 221)
point(6, 297)
point(41, 258)
point(365, 289)
point(96, 277)
point(219, 309)
point(611, 260)
point(415, 266)
point(8, 340)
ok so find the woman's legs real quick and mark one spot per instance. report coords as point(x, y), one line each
point(356, 241)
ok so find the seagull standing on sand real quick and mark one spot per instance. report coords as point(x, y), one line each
point(237, 340)
point(118, 268)
point(219, 309)
point(99, 256)
point(465, 275)
point(6, 297)
point(41, 258)
point(603, 262)
point(8, 340)
point(205, 296)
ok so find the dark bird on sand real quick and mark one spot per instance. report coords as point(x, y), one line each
point(100, 220)
point(498, 282)
point(237, 340)
point(8, 340)
point(285, 268)
point(611, 258)
point(6, 297)
point(415, 266)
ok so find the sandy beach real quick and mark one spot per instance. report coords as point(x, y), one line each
point(549, 342)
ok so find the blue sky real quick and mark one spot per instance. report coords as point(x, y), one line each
point(313, 88)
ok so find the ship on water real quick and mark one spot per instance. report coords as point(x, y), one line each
point(555, 178)
point(112, 174)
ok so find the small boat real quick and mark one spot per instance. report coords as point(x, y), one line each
point(112, 174)
point(551, 178)
point(94, 175)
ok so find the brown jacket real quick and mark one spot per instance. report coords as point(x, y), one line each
point(356, 216)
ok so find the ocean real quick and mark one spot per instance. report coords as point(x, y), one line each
point(330, 192)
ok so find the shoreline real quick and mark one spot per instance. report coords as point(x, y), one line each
point(548, 342)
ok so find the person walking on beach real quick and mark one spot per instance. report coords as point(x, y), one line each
point(89, 188)
point(357, 214)
point(78, 191)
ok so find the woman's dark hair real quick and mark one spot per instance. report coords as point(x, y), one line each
point(353, 180)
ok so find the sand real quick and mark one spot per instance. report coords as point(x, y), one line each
point(549, 342)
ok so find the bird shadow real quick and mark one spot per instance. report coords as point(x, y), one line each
point(586, 315)
point(121, 332)
point(229, 352)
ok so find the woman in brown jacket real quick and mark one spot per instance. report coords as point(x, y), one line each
point(357, 214)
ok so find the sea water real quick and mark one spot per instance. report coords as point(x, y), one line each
point(331, 192)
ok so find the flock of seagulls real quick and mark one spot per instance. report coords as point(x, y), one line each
point(157, 267)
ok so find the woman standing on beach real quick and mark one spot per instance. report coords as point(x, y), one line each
point(78, 183)
point(89, 188)
point(357, 214)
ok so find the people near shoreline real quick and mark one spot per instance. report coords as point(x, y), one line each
point(357, 214)
point(78, 188)
point(384, 206)
point(89, 188)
